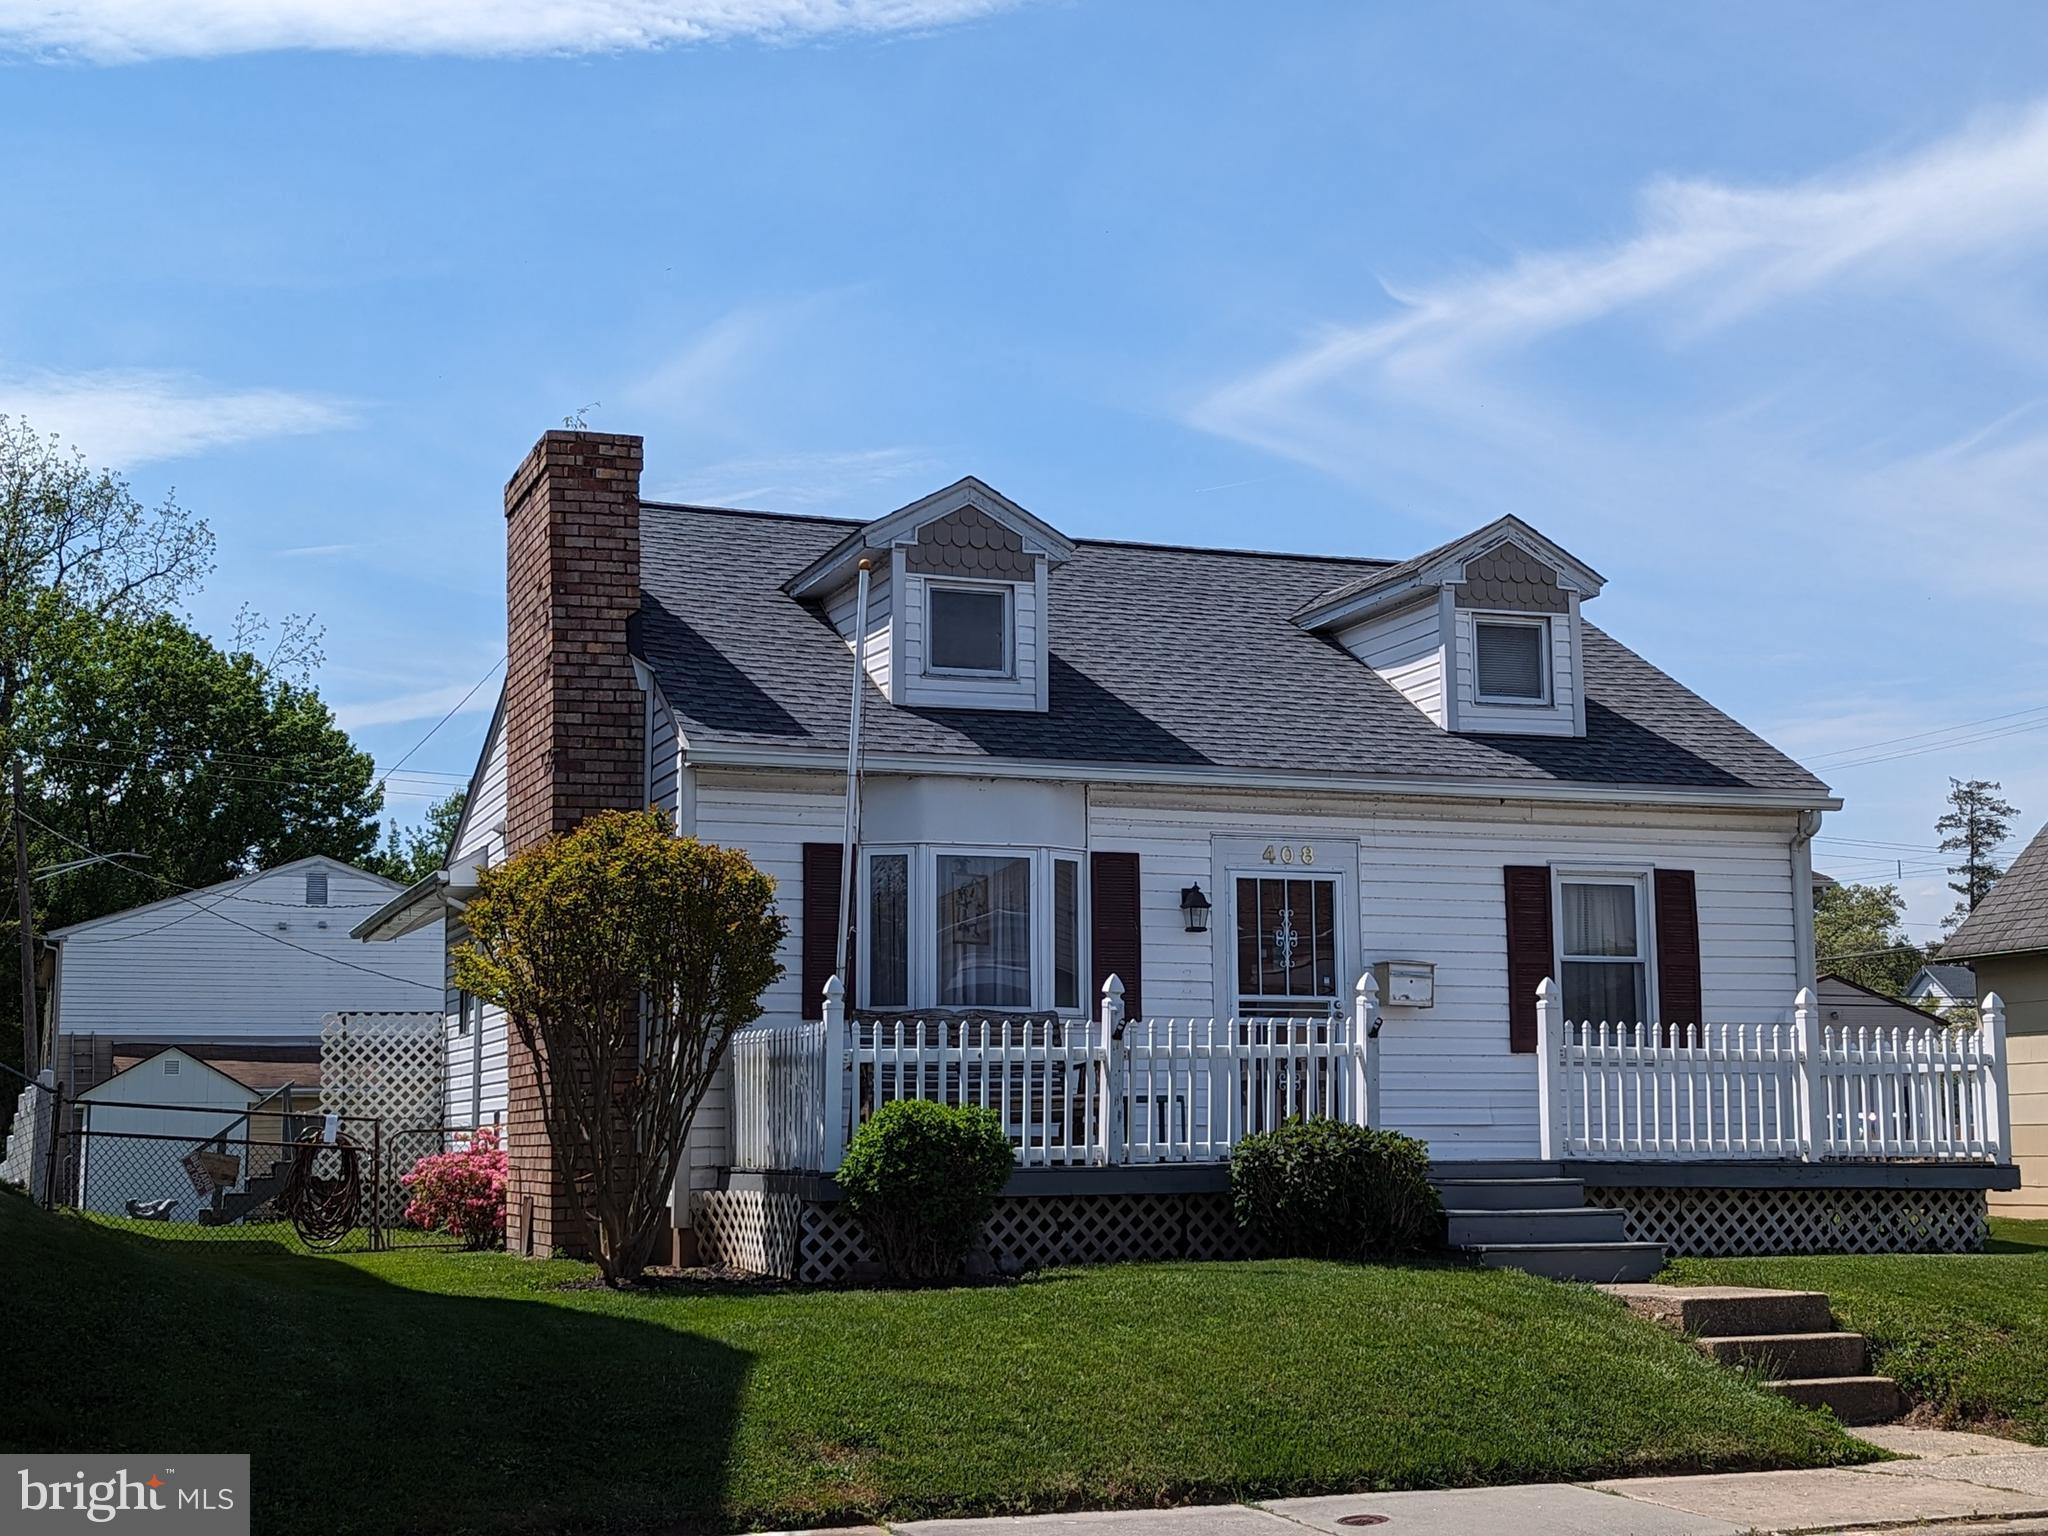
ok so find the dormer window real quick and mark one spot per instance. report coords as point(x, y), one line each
point(1510, 662)
point(969, 630)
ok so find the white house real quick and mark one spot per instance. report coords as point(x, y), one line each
point(1943, 986)
point(240, 974)
point(1151, 844)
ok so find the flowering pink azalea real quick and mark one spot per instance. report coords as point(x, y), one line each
point(461, 1191)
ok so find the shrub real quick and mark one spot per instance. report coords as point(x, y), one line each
point(922, 1178)
point(1325, 1190)
point(462, 1192)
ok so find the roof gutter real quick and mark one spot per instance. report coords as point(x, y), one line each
point(739, 755)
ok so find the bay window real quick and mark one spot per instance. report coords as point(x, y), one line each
point(1603, 949)
point(971, 928)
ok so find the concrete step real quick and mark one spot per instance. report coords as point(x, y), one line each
point(1585, 1224)
point(1854, 1399)
point(1495, 1169)
point(1511, 1194)
point(1792, 1356)
point(1596, 1263)
point(1720, 1311)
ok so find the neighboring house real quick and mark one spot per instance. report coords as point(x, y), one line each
point(1843, 1001)
point(1230, 783)
point(2005, 941)
point(1943, 986)
point(240, 974)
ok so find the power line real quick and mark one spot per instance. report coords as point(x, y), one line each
point(444, 719)
point(1940, 746)
point(187, 893)
point(2032, 709)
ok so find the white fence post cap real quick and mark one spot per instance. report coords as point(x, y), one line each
point(1546, 989)
point(1114, 987)
point(834, 987)
point(1807, 998)
point(1368, 986)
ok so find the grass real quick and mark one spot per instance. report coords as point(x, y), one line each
point(1965, 1335)
point(442, 1391)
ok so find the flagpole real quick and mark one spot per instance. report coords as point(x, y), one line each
point(850, 840)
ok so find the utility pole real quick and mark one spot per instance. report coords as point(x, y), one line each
point(24, 897)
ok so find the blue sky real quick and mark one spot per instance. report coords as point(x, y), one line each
point(1746, 305)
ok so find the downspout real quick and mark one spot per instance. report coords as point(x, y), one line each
point(1803, 959)
point(850, 838)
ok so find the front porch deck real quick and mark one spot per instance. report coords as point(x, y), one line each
point(1703, 1140)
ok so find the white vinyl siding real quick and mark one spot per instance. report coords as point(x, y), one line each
point(217, 965)
point(1023, 688)
point(841, 610)
point(769, 817)
point(1407, 649)
point(1561, 715)
point(477, 1062)
point(1429, 888)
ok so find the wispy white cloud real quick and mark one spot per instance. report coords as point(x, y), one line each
point(1745, 357)
point(127, 31)
point(800, 481)
point(315, 551)
point(126, 417)
point(418, 704)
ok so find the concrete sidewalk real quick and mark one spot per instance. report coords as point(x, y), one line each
point(1957, 1483)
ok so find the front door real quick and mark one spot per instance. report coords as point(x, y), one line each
point(1286, 951)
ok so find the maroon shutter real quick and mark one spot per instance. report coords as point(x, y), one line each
point(820, 921)
point(1530, 958)
point(1678, 950)
point(1116, 938)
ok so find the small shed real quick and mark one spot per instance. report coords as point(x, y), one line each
point(163, 1129)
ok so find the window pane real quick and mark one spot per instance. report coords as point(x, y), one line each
point(984, 919)
point(1066, 934)
point(888, 981)
point(1600, 919)
point(1603, 992)
point(1510, 660)
point(967, 629)
point(1286, 938)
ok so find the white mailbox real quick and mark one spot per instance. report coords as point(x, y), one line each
point(1406, 983)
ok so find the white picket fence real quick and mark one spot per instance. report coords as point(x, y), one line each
point(1802, 1089)
point(1069, 1092)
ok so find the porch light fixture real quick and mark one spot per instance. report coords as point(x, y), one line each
point(1194, 909)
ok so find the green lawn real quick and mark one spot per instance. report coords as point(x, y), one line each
point(474, 1392)
point(1966, 1335)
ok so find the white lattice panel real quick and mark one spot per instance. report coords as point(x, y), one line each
point(387, 1067)
point(1730, 1223)
point(820, 1243)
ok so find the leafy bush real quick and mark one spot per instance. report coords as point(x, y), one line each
point(922, 1178)
point(1325, 1190)
point(462, 1192)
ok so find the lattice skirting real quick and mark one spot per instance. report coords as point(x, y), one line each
point(1727, 1223)
point(818, 1242)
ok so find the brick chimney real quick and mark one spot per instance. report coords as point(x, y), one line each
point(573, 719)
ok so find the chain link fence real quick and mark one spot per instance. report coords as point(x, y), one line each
point(282, 1172)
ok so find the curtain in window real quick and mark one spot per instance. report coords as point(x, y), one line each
point(1599, 919)
point(984, 931)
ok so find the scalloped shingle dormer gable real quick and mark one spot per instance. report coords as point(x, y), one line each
point(957, 615)
point(1480, 634)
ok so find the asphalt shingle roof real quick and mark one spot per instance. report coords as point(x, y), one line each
point(1161, 656)
point(2013, 919)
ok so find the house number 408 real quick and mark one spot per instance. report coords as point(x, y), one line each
point(1287, 853)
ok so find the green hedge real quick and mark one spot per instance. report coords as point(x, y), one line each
point(922, 1178)
point(1325, 1190)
